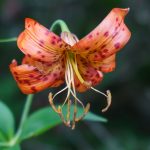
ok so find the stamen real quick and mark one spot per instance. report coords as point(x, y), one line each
point(86, 110)
point(107, 95)
point(52, 104)
point(109, 99)
point(68, 112)
point(71, 69)
point(62, 117)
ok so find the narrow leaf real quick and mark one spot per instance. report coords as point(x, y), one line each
point(16, 147)
point(6, 121)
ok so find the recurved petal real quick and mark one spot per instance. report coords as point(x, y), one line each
point(106, 39)
point(31, 80)
point(90, 75)
point(107, 65)
point(38, 42)
point(45, 67)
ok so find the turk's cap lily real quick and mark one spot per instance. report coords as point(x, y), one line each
point(45, 53)
point(51, 59)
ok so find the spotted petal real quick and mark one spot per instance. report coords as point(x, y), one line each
point(38, 42)
point(90, 75)
point(32, 80)
point(107, 65)
point(106, 39)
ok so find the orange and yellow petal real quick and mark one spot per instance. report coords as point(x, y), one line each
point(31, 80)
point(45, 67)
point(38, 42)
point(107, 65)
point(91, 76)
point(106, 39)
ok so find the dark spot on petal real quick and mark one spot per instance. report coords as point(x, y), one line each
point(15, 73)
point(39, 52)
point(97, 75)
point(41, 41)
point(117, 19)
point(117, 45)
point(77, 85)
point(33, 89)
point(55, 74)
point(119, 24)
point(39, 60)
point(31, 75)
point(97, 33)
point(60, 45)
point(17, 78)
point(87, 48)
point(105, 50)
point(59, 40)
point(87, 72)
point(106, 34)
point(53, 42)
point(95, 55)
point(103, 46)
point(45, 79)
point(20, 81)
point(66, 45)
point(43, 56)
point(25, 81)
point(28, 55)
point(90, 36)
point(99, 68)
point(103, 55)
point(54, 37)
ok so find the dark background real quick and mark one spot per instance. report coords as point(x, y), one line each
point(129, 116)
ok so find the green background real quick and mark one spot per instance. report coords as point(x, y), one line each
point(129, 116)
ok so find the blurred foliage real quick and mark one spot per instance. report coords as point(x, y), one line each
point(129, 116)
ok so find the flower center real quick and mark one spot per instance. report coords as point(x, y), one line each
point(70, 72)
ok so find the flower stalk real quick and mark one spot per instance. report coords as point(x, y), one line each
point(8, 40)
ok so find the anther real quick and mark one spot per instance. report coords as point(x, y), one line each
point(109, 97)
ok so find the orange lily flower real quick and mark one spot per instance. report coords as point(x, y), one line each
point(50, 60)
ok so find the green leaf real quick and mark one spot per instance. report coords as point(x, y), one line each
point(46, 118)
point(16, 147)
point(93, 117)
point(6, 121)
point(2, 137)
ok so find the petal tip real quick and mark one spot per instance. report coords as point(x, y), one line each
point(28, 22)
point(122, 11)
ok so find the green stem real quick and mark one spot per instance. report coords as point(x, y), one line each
point(23, 119)
point(8, 40)
point(62, 25)
point(25, 113)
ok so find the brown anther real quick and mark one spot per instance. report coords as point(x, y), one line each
point(58, 110)
point(62, 117)
point(86, 110)
point(109, 98)
point(68, 112)
point(87, 84)
point(74, 118)
point(52, 104)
